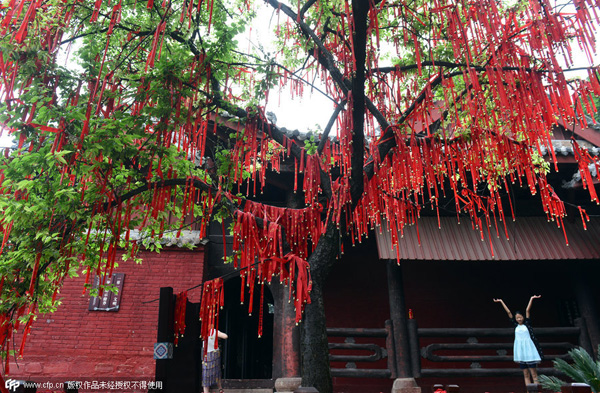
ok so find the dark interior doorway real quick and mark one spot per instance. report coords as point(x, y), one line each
point(245, 355)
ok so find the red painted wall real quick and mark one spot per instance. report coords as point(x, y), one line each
point(76, 344)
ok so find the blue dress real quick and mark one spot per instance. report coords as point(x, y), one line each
point(524, 349)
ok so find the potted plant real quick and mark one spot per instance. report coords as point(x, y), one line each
point(583, 369)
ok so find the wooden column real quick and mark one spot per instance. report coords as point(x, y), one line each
point(164, 332)
point(286, 335)
point(399, 319)
point(584, 336)
point(413, 345)
point(587, 304)
point(286, 339)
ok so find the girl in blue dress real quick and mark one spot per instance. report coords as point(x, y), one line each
point(526, 350)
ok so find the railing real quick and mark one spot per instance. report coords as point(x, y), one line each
point(471, 344)
point(376, 352)
point(451, 353)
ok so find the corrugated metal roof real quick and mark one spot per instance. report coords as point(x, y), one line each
point(529, 238)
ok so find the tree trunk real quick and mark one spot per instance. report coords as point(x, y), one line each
point(314, 348)
point(315, 352)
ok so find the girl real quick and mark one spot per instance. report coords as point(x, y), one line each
point(526, 350)
point(211, 362)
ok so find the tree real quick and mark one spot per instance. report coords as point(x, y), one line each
point(120, 108)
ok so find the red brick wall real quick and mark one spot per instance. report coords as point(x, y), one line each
point(74, 343)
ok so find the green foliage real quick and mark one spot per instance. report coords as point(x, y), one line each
point(56, 184)
point(583, 369)
point(311, 144)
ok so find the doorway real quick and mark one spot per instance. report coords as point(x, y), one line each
point(245, 355)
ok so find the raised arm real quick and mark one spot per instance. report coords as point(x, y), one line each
point(504, 306)
point(222, 335)
point(529, 305)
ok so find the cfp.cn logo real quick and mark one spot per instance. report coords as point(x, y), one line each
point(12, 384)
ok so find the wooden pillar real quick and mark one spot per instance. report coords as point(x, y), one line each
point(588, 307)
point(286, 342)
point(399, 319)
point(413, 345)
point(165, 331)
point(584, 336)
point(286, 335)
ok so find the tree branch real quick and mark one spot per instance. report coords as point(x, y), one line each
point(306, 6)
point(330, 124)
point(360, 10)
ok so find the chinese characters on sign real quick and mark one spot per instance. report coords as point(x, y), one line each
point(109, 301)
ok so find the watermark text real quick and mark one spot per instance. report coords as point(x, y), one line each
point(107, 385)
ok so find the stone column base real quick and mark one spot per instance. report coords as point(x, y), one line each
point(534, 387)
point(405, 385)
point(287, 385)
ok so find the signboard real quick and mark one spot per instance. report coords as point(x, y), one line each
point(109, 301)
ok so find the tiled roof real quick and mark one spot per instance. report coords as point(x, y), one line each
point(565, 148)
point(186, 238)
point(530, 238)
